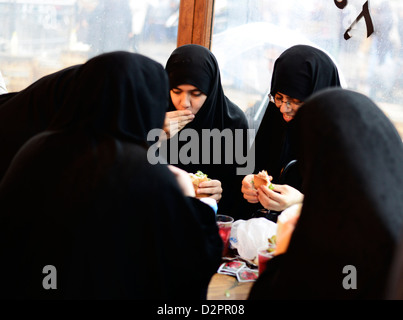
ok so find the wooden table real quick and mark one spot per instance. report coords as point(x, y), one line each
point(225, 287)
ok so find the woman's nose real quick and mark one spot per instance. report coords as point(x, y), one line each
point(185, 100)
point(284, 107)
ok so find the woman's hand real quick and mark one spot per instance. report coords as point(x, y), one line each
point(280, 198)
point(286, 223)
point(184, 181)
point(212, 188)
point(248, 190)
point(176, 120)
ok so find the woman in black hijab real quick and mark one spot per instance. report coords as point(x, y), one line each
point(351, 160)
point(30, 111)
point(82, 197)
point(198, 104)
point(298, 72)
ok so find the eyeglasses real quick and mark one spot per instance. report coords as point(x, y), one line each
point(278, 101)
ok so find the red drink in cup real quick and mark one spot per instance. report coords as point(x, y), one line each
point(224, 234)
point(263, 256)
point(224, 224)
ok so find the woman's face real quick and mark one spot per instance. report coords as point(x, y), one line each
point(187, 97)
point(287, 105)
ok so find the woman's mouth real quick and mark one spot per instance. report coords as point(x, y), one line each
point(287, 118)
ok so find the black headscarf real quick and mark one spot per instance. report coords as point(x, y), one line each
point(196, 65)
point(298, 72)
point(115, 86)
point(352, 164)
point(30, 111)
point(83, 197)
point(395, 283)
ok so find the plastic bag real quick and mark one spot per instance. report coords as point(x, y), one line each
point(248, 235)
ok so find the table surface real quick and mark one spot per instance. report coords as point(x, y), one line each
point(225, 287)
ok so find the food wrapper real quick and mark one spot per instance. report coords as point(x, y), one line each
point(248, 235)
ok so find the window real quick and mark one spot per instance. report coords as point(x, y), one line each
point(39, 37)
point(249, 35)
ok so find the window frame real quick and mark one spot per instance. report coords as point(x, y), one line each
point(195, 22)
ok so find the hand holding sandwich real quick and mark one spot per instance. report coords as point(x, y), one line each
point(210, 189)
point(251, 184)
point(258, 188)
point(280, 197)
point(248, 189)
point(206, 187)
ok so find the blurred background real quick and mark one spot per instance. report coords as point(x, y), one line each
point(38, 37)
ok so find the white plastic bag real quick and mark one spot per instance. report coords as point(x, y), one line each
point(247, 236)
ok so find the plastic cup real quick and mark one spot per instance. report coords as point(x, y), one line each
point(224, 224)
point(263, 256)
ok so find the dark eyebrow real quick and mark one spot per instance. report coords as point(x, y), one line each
point(295, 100)
point(194, 90)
